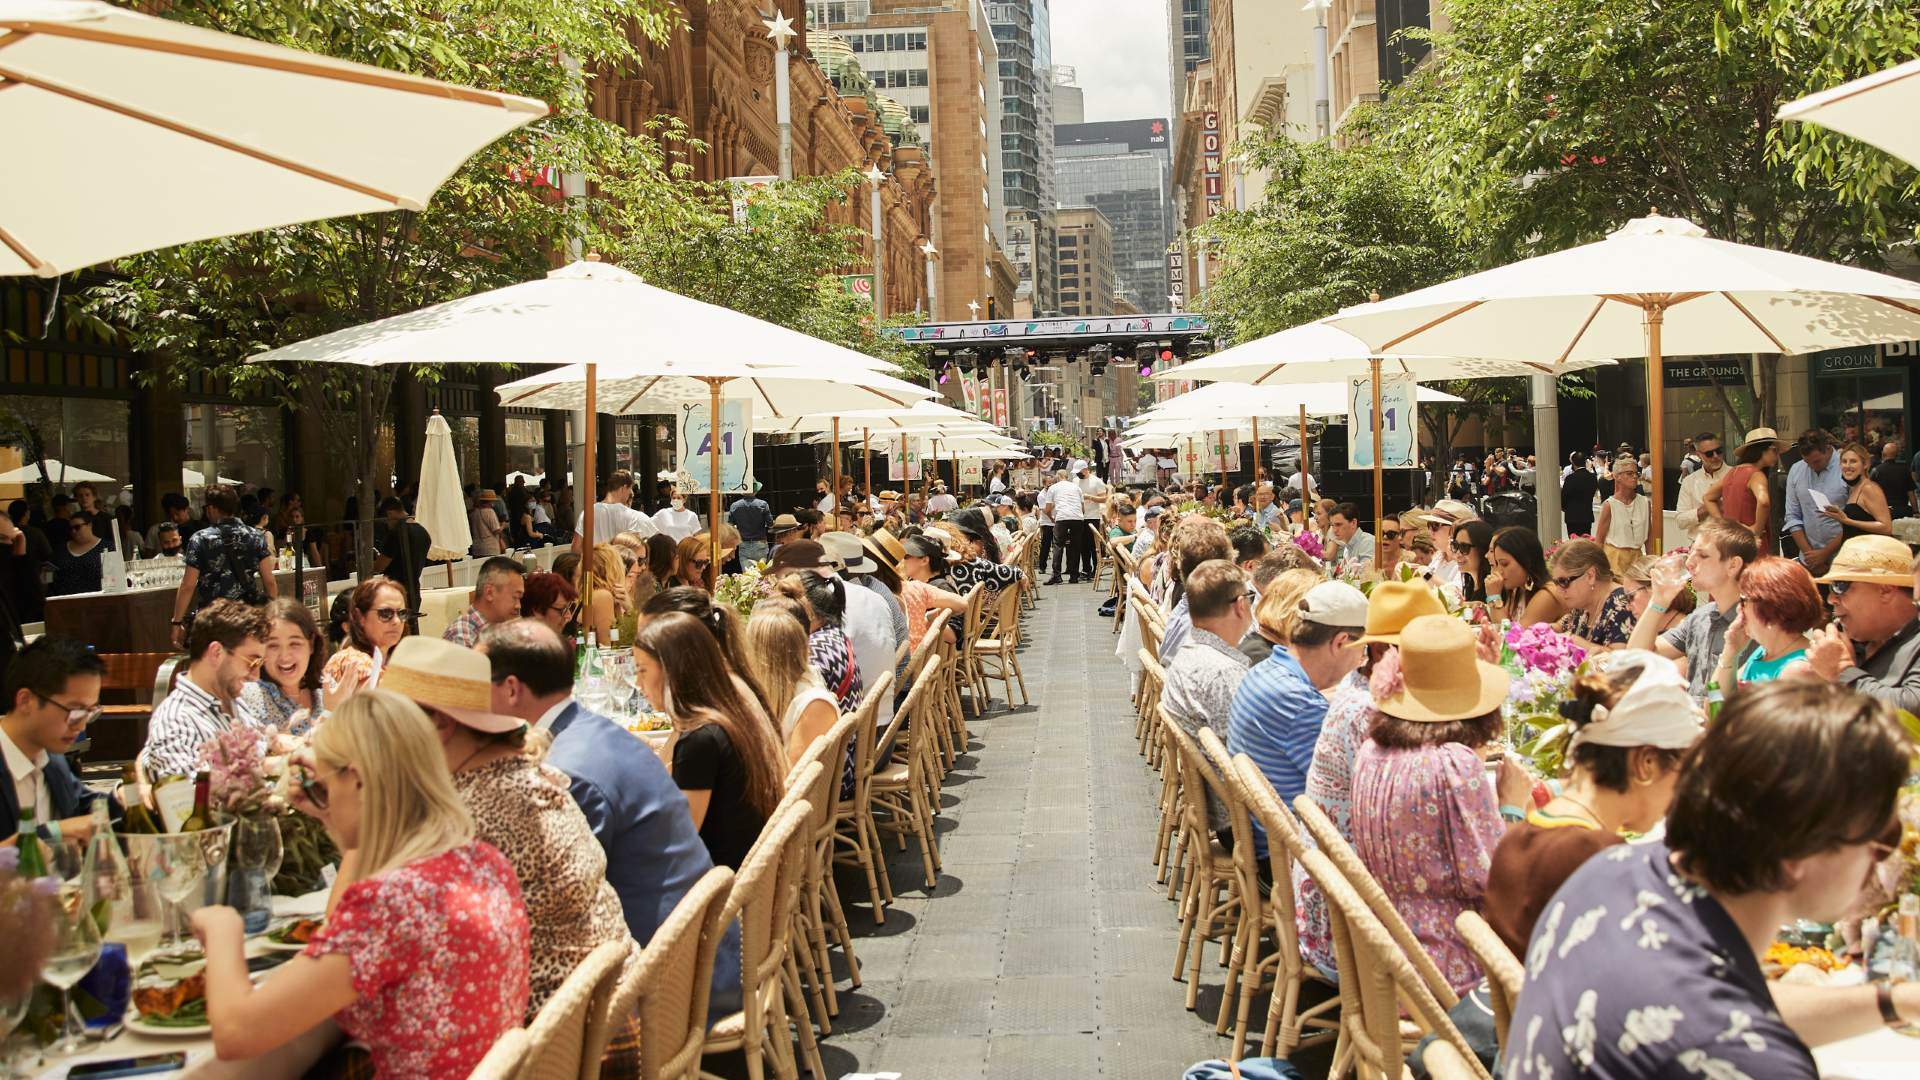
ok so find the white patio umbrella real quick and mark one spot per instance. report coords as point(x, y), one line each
point(1656, 287)
point(654, 348)
point(58, 471)
point(442, 506)
point(194, 478)
point(1877, 109)
point(923, 417)
point(1317, 353)
point(227, 135)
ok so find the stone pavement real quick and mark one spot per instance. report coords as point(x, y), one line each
point(1046, 950)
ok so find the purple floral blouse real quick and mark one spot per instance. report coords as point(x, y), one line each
point(1330, 786)
point(1425, 821)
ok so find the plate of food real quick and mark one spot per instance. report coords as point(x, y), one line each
point(1808, 965)
point(170, 996)
point(655, 722)
point(291, 936)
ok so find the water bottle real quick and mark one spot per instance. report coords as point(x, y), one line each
point(1715, 699)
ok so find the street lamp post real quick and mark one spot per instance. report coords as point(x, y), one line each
point(973, 310)
point(874, 177)
point(780, 29)
point(933, 298)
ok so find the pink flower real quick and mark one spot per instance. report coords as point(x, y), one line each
point(1387, 678)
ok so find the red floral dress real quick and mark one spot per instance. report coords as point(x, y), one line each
point(439, 955)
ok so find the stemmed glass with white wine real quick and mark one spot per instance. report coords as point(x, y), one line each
point(76, 932)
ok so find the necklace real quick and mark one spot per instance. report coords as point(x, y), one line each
point(1591, 815)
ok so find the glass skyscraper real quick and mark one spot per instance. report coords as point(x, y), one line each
point(1022, 30)
point(1124, 168)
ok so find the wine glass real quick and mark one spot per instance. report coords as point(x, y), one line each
point(76, 932)
point(176, 864)
point(257, 853)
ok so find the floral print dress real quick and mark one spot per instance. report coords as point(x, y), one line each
point(1426, 821)
point(438, 950)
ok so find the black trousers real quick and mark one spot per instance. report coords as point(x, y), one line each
point(1046, 542)
point(1076, 544)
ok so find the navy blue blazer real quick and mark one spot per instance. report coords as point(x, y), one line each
point(67, 795)
point(640, 817)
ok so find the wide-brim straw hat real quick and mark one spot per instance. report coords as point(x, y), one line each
point(1443, 678)
point(1393, 604)
point(437, 674)
point(1872, 560)
point(784, 523)
point(886, 546)
point(1762, 435)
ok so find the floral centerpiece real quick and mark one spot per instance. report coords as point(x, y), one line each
point(1306, 541)
point(742, 590)
point(240, 789)
point(1544, 664)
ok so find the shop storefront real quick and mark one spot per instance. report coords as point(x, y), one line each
point(1862, 394)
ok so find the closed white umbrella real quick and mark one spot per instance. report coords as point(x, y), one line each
point(624, 343)
point(56, 470)
point(225, 134)
point(1877, 109)
point(1656, 287)
point(442, 505)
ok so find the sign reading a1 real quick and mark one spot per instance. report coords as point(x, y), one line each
point(1399, 437)
point(696, 446)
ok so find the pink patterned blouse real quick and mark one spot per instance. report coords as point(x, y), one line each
point(439, 955)
point(1330, 786)
point(1426, 821)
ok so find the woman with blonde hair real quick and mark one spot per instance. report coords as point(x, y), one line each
point(603, 593)
point(424, 954)
point(777, 653)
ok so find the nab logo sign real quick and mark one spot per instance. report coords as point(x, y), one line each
point(1157, 133)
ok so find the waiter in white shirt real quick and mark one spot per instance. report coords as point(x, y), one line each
point(1093, 509)
point(1069, 528)
point(614, 513)
point(675, 519)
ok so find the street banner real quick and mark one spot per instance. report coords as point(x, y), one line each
point(1000, 406)
point(1399, 439)
point(859, 286)
point(695, 445)
point(903, 459)
point(745, 190)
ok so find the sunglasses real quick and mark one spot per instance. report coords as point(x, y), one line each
point(700, 564)
point(389, 614)
point(1461, 548)
point(77, 715)
point(1566, 580)
point(314, 788)
point(1715, 452)
point(1839, 588)
point(1389, 534)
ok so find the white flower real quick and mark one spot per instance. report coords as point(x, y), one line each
point(1644, 1027)
point(1740, 1027)
point(1651, 936)
point(1578, 1037)
point(1582, 929)
point(1543, 941)
point(1697, 1062)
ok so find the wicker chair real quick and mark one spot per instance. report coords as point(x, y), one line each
point(996, 653)
point(1445, 1063)
point(853, 818)
point(821, 900)
point(1285, 1020)
point(1505, 974)
point(901, 786)
point(1153, 678)
point(1378, 980)
point(667, 988)
point(948, 689)
point(1209, 883)
point(761, 899)
point(809, 781)
point(504, 1058)
point(973, 622)
point(559, 1037)
point(1260, 915)
point(1326, 836)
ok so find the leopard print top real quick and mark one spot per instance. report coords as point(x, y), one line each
point(524, 809)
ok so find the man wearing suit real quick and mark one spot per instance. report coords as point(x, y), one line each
point(53, 693)
point(654, 854)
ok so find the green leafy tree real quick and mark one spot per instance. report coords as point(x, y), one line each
point(1541, 124)
point(1337, 224)
point(499, 219)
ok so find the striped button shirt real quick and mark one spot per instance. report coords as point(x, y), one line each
point(1275, 720)
point(182, 725)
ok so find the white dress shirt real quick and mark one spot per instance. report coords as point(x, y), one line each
point(678, 524)
point(869, 625)
point(1068, 504)
point(612, 519)
point(29, 787)
point(1693, 489)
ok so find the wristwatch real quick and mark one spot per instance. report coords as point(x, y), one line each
point(1883, 993)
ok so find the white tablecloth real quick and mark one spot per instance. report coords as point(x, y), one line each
point(289, 1062)
point(1879, 1055)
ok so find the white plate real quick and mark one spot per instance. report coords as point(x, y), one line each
point(271, 945)
point(136, 1023)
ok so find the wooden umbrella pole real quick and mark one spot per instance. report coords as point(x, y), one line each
point(1256, 451)
point(1656, 520)
point(1379, 471)
point(866, 462)
point(589, 485)
point(1306, 458)
point(834, 449)
point(713, 486)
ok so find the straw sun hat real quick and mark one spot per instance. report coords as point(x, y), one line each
point(1872, 560)
point(1444, 679)
point(454, 679)
point(1393, 604)
point(1762, 435)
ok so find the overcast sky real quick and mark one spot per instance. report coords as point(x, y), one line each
point(1119, 48)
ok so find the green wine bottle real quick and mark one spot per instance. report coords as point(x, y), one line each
point(138, 818)
point(33, 861)
point(202, 816)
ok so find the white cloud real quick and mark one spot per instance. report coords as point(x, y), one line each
point(1119, 48)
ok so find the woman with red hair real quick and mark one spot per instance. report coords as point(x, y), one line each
point(551, 599)
point(1778, 605)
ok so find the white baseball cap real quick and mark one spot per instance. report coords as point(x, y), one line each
point(1334, 603)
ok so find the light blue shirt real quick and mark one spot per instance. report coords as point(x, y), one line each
point(1802, 513)
point(1275, 719)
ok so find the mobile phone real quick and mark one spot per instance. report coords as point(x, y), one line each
point(267, 961)
point(135, 1066)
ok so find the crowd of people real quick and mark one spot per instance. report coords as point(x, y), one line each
point(1384, 707)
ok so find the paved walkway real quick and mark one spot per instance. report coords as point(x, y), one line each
point(1047, 949)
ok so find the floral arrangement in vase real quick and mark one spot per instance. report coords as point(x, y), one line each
point(1543, 663)
point(237, 774)
point(1311, 544)
point(742, 590)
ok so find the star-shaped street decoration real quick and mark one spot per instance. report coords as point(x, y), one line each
point(929, 250)
point(780, 29)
